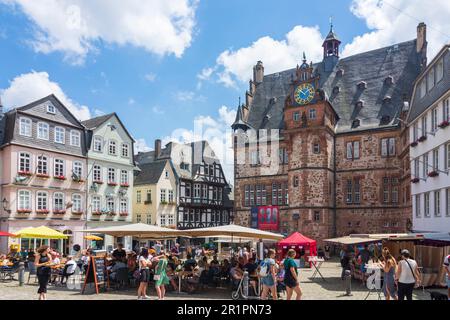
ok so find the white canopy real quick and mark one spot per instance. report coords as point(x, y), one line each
point(138, 230)
point(231, 230)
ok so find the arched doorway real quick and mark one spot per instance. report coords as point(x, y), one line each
point(67, 243)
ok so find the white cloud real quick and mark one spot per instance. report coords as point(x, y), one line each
point(151, 77)
point(217, 131)
point(185, 96)
point(141, 146)
point(396, 21)
point(157, 110)
point(74, 27)
point(131, 101)
point(33, 86)
point(277, 55)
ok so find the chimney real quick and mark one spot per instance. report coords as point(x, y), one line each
point(258, 72)
point(422, 43)
point(157, 149)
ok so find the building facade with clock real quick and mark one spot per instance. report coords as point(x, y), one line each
point(336, 160)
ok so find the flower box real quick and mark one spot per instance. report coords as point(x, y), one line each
point(164, 202)
point(61, 178)
point(422, 138)
point(112, 184)
point(59, 212)
point(444, 124)
point(98, 182)
point(77, 213)
point(25, 173)
point(24, 211)
point(98, 213)
point(42, 211)
point(124, 214)
point(433, 174)
point(414, 144)
point(124, 185)
point(415, 180)
point(78, 180)
point(42, 175)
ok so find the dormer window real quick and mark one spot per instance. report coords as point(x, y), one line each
point(336, 90)
point(385, 120)
point(362, 85)
point(389, 81)
point(387, 99)
point(51, 109)
point(356, 123)
point(359, 104)
point(340, 72)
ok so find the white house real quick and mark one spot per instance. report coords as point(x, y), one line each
point(428, 121)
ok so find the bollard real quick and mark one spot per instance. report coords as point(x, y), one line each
point(348, 282)
point(21, 273)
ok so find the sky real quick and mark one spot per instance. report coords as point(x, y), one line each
point(174, 70)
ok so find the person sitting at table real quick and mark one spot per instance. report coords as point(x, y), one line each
point(251, 267)
point(213, 273)
point(172, 275)
point(69, 269)
point(30, 260)
point(189, 264)
point(119, 253)
point(117, 265)
point(203, 264)
point(225, 269)
point(236, 275)
point(55, 271)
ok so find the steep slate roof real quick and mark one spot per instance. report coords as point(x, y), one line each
point(418, 104)
point(93, 123)
point(150, 173)
point(400, 61)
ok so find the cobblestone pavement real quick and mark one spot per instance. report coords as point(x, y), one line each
point(313, 289)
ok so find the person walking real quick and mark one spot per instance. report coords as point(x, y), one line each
point(42, 262)
point(291, 276)
point(144, 274)
point(407, 276)
point(160, 277)
point(389, 268)
point(447, 273)
point(268, 272)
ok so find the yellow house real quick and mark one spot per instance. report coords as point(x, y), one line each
point(154, 194)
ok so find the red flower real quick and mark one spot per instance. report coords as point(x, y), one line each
point(414, 144)
point(422, 138)
point(124, 185)
point(24, 211)
point(433, 174)
point(113, 184)
point(43, 211)
point(124, 214)
point(59, 211)
point(415, 180)
point(78, 213)
point(60, 178)
point(42, 175)
point(444, 124)
point(97, 213)
point(98, 182)
point(25, 173)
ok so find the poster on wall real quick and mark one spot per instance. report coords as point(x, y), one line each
point(268, 218)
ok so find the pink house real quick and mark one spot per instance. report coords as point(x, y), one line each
point(43, 172)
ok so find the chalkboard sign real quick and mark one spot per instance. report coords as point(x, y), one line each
point(95, 273)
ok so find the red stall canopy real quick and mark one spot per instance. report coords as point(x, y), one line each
point(298, 240)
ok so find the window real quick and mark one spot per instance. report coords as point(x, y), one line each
point(123, 205)
point(437, 203)
point(138, 196)
point(43, 130)
point(58, 201)
point(357, 191)
point(439, 70)
point(124, 177)
point(425, 165)
point(283, 156)
point(60, 135)
point(416, 168)
point(187, 190)
point(424, 125)
point(263, 195)
point(316, 148)
point(296, 182)
point(386, 190)
point(75, 138)
point(25, 127)
point(415, 132)
point(423, 88)
point(254, 158)
point(149, 196)
point(296, 116)
point(316, 216)
point(431, 79)
point(77, 170)
point(171, 196)
point(349, 191)
point(42, 165)
point(418, 207)
point(446, 110)
point(427, 204)
point(247, 195)
point(258, 195)
point(353, 150)
point(59, 168)
point(111, 175)
point(96, 204)
point(312, 114)
point(197, 191)
point(76, 203)
point(51, 109)
point(24, 202)
point(110, 205)
point(388, 147)
point(170, 220)
point(163, 195)
point(42, 201)
point(166, 174)
point(112, 147)
point(435, 159)
point(447, 156)
point(447, 202)
point(97, 173)
point(394, 193)
point(125, 150)
point(252, 195)
point(98, 144)
point(24, 162)
point(138, 218)
point(149, 219)
point(434, 120)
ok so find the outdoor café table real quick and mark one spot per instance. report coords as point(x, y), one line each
point(316, 262)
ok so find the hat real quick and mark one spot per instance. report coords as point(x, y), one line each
point(405, 252)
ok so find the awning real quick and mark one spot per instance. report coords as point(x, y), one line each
point(40, 233)
point(6, 234)
point(232, 230)
point(138, 230)
point(352, 240)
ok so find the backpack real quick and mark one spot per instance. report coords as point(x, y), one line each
point(264, 270)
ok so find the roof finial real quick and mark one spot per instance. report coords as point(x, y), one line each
point(304, 56)
point(331, 23)
point(239, 101)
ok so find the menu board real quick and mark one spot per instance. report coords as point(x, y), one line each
point(95, 273)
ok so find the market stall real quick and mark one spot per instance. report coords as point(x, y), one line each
point(304, 246)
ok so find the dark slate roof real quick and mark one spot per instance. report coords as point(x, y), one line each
point(400, 61)
point(150, 173)
point(93, 123)
point(418, 104)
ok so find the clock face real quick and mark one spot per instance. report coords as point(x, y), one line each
point(304, 93)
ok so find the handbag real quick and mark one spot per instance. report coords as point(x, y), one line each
point(157, 277)
point(417, 284)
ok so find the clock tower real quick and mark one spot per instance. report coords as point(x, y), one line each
point(309, 133)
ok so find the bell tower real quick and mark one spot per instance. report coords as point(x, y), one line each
point(331, 49)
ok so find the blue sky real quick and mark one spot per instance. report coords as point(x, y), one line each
point(109, 67)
